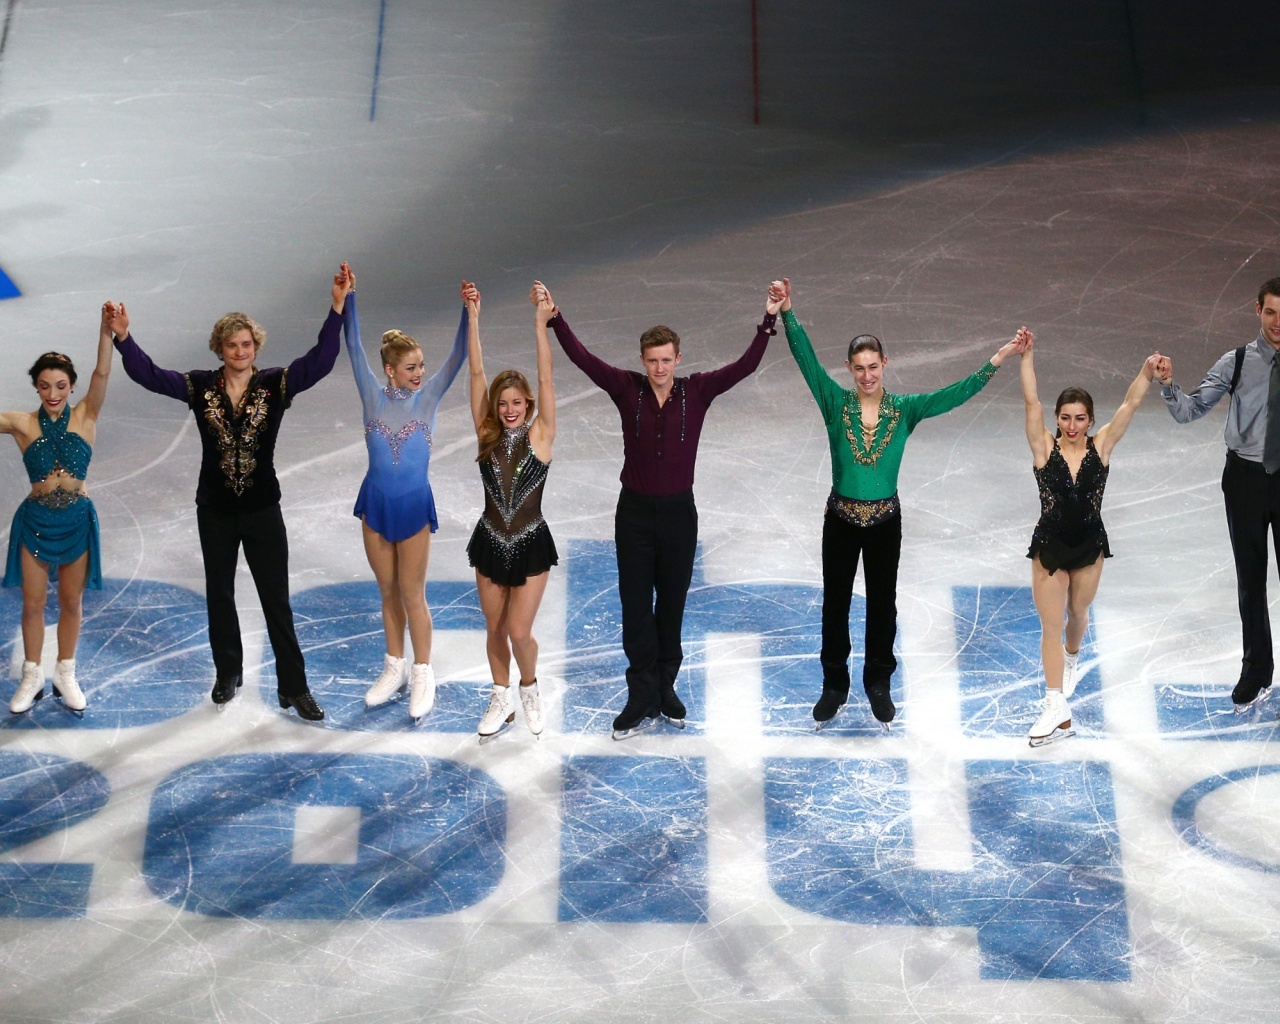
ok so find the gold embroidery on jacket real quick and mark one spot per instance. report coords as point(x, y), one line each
point(236, 437)
point(860, 448)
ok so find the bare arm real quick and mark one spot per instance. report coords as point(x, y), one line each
point(18, 424)
point(115, 320)
point(475, 357)
point(1037, 436)
point(1109, 436)
point(543, 432)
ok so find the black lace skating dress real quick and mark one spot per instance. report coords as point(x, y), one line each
point(1070, 534)
point(512, 541)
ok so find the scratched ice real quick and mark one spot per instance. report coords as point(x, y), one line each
point(162, 861)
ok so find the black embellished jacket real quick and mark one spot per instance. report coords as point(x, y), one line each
point(237, 469)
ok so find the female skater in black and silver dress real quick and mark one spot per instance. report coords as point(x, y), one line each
point(511, 548)
point(1070, 541)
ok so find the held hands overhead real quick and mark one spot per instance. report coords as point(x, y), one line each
point(544, 305)
point(779, 296)
point(1018, 344)
point(471, 298)
point(344, 283)
point(115, 319)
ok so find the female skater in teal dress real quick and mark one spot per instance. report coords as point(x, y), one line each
point(56, 526)
point(395, 504)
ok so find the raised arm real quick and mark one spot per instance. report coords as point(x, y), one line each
point(610, 379)
point(367, 381)
point(443, 377)
point(1186, 407)
point(718, 381)
point(91, 404)
point(1109, 436)
point(138, 365)
point(934, 403)
point(543, 430)
point(826, 392)
point(314, 365)
point(1037, 436)
point(475, 357)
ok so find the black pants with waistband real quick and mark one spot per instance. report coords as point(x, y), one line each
point(880, 547)
point(1253, 509)
point(656, 540)
point(266, 549)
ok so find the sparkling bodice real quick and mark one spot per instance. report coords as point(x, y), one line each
point(56, 448)
point(1071, 509)
point(513, 481)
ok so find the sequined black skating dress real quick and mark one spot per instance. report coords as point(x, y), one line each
point(512, 541)
point(1070, 534)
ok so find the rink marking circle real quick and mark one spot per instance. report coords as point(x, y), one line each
point(1184, 817)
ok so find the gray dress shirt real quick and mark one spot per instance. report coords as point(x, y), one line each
point(1246, 429)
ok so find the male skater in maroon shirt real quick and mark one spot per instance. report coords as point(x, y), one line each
point(656, 524)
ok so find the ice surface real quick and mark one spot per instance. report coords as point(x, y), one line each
point(162, 861)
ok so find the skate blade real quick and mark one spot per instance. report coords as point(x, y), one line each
point(506, 724)
point(489, 738)
point(315, 723)
point(886, 727)
point(1058, 734)
point(1242, 709)
point(675, 723)
point(644, 726)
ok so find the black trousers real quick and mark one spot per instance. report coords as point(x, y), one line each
point(879, 547)
point(656, 540)
point(266, 549)
point(1253, 509)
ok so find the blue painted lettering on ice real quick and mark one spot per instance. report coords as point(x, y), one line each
point(431, 837)
point(1045, 894)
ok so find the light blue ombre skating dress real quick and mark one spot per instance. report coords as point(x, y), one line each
point(395, 498)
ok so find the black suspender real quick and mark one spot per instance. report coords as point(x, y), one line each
point(1235, 376)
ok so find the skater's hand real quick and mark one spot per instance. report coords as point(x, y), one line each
point(471, 297)
point(344, 283)
point(544, 304)
point(115, 319)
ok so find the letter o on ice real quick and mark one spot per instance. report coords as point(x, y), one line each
point(426, 836)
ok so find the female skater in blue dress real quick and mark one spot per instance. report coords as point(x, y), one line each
point(56, 525)
point(395, 504)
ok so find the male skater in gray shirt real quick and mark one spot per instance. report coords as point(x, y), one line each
point(1251, 479)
